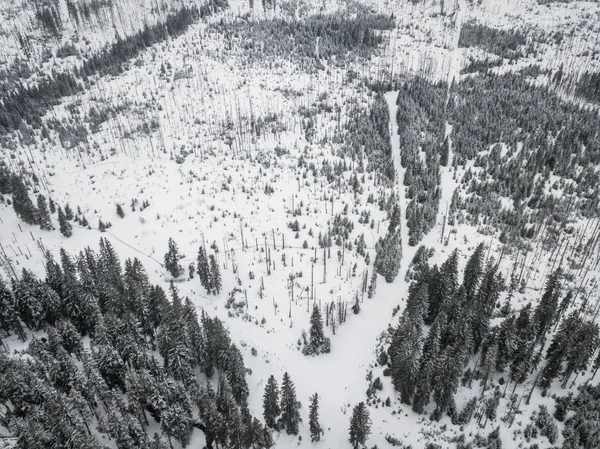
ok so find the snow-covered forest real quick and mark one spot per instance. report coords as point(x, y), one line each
point(328, 224)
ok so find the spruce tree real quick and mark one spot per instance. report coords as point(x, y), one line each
point(290, 407)
point(313, 419)
point(317, 336)
point(442, 287)
point(405, 354)
point(172, 259)
point(360, 425)
point(271, 409)
point(545, 312)
point(236, 375)
point(473, 272)
point(204, 269)
point(215, 275)
point(22, 204)
point(64, 226)
point(68, 212)
point(43, 215)
point(120, 211)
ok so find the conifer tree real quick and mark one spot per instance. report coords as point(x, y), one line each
point(317, 336)
point(313, 419)
point(236, 375)
point(204, 269)
point(473, 272)
point(372, 285)
point(442, 286)
point(484, 303)
point(43, 215)
point(68, 212)
point(271, 409)
point(405, 354)
point(120, 211)
point(290, 407)
point(64, 226)
point(547, 308)
point(215, 275)
point(172, 259)
point(22, 204)
point(360, 425)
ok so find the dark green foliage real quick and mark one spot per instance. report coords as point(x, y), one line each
point(29, 104)
point(62, 389)
point(421, 126)
point(290, 407)
point(553, 132)
point(318, 342)
point(271, 409)
point(22, 204)
point(64, 226)
point(442, 286)
point(405, 355)
point(546, 424)
point(588, 87)
point(582, 430)
point(504, 43)
point(313, 419)
point(172, 257)
point(215, 275)
point(68, 212)
point(388, 256)
point(545, 312)
point(341, 37)
point(368, 134)
point(493, 440)
point(43, 215)
point(360, 425)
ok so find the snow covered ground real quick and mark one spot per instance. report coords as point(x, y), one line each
point(204, 173)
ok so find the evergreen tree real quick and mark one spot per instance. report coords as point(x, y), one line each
point(372, 285)
point(484, 303)
point(317, 336)
point(64, 226)
point(271, 409)
point(52, 206)
point(313, 419)
point(360, 425)
point(388, 256)
point(290, 407)
point(547, 308)
point(236, 375)
point(43, 216)
point(215, 275)
point(443, 286)
point(204, 269)
point(473, 272)
point(22, 204)
point(9, 319)
point(68, 212)
point(405, 354)
point(120, 211)
point(172, 259)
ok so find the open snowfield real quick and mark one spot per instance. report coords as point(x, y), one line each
point(219, 143)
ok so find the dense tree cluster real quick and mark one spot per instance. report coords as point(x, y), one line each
point(506, 125)
point(340, 37)
point(421, 129)
point(29, 104)
point(504, 43)
point(368, 136)
point(447, 323)
point(208, 271)
point(138, 371)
